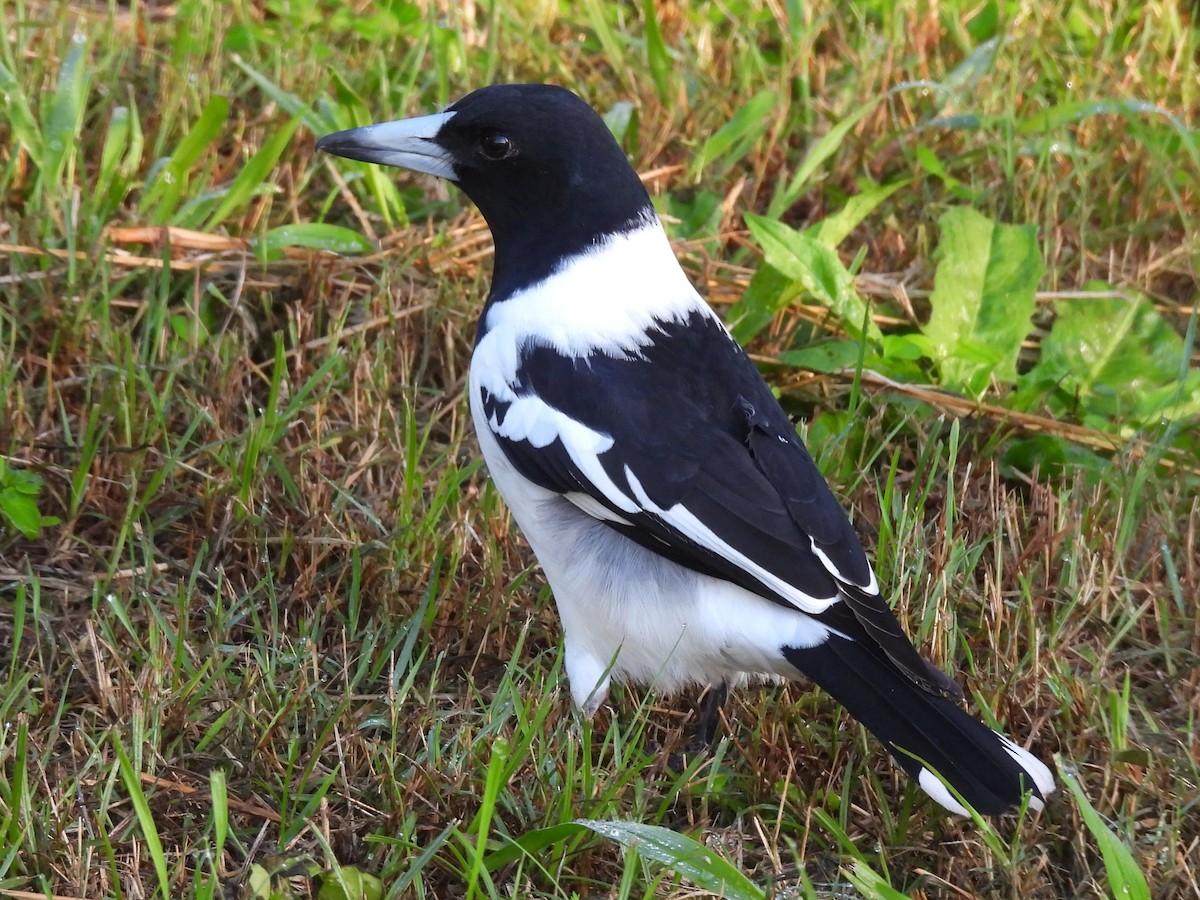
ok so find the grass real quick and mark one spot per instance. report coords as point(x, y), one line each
point(270, 629)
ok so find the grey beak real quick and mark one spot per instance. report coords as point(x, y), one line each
point(407, 143)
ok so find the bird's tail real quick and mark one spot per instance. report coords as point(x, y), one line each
point(922, 730)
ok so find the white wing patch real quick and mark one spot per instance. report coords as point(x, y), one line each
point(685, 521)
point(531, 419)
point(871, 587)
point(596, 509)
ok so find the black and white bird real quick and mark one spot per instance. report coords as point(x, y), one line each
point(687, 535)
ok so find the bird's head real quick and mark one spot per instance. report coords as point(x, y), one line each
point(541, 165)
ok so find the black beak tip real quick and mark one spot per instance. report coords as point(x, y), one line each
point(328, 143)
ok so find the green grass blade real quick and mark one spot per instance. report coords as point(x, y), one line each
point(734, 139)
point(657, 56)
point(23, 125)
point(872, 885)
point(481, 827)
point(254, 178)
point(220, 812)
point(290, 103)
point(1125, 877)
point(167, 189)
point(818, 154)
point(313, 236)
point(532, 843)
point(64, 117)
point(141, 808)
point(613, 44)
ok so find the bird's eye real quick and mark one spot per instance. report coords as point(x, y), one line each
point(496, 146)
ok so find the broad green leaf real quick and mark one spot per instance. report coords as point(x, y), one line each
point(1051, 456)
point(1125, 878)
point(983, 298)
point(699, 214)
point(983, 25)
point(1120, 359)
point(20, 509)
point(20, 480)
point(733, 140)
point(314, 236)
point(620, 118)
point(258, 882)
point(818, 270)
point(928, 160)
point(684, 855)
point(827, 356)
point(349, 883)
point(908, 347)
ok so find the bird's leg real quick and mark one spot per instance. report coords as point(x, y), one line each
point(710, 718)
point(706, 727)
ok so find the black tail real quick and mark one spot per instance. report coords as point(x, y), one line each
point(986, 768)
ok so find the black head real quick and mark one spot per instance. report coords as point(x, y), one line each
point(541, 165)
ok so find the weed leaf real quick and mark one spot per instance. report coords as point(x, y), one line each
point(64, 118)
point(682, 854)
point(817, 269)
point(871, 884)
point(983, 299)
point(1117, 357)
